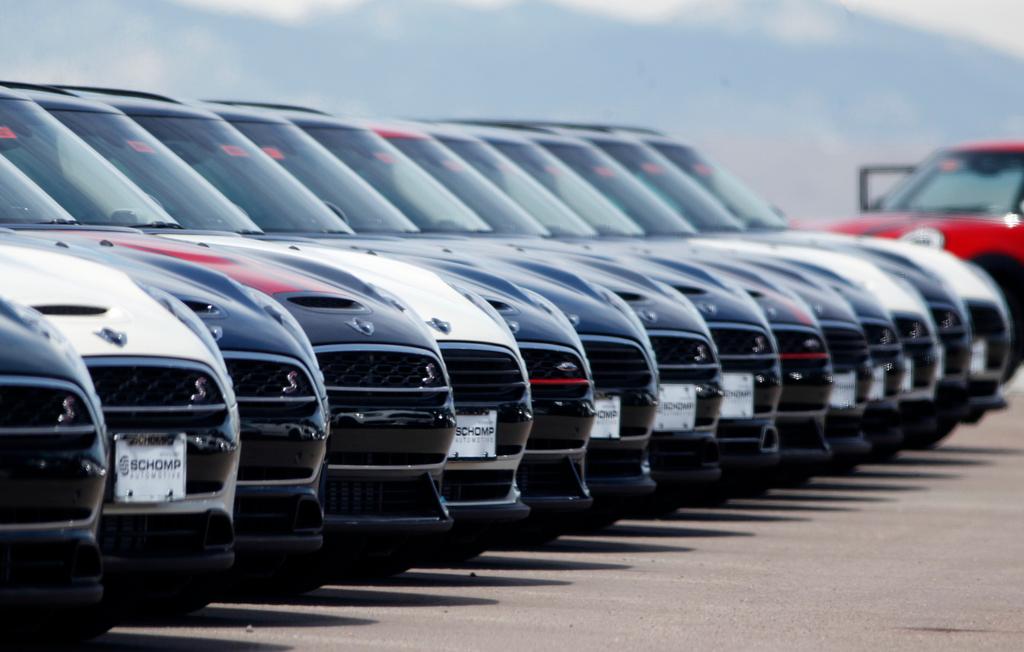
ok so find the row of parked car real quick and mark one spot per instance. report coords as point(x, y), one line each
point(259, 347)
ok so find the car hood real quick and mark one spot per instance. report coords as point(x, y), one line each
point(139, 324)
point(455, 317)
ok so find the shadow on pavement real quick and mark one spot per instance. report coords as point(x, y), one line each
point(421, 579)
point(934, 460)
point(641, 530)
point(765, 505)
point(976, 450)
point(349, 597)
point(587, 544)
point(534, 563)
point(220, 616)
point(888, 473)
point(801, 496)
point(130, 642)
point(728, 516)
point(862, 486)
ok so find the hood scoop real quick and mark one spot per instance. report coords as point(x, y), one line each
point(69, 310)
point(326, 302)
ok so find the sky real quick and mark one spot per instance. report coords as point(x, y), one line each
point(996, 23)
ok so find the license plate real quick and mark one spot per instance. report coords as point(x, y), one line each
point(907, 385)
point(677, 408)
point(940, 362)
point(609, 418)
point(739, 396)
point(877, 391)
point(476, 435)
point(844, 390)
point(149, 468)
point(979, 356)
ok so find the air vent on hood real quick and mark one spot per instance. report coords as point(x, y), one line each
point(62, 310)
point(202, 308)
point(629, 296)
point(500, 306)
point(689, 290)
point(323, 302)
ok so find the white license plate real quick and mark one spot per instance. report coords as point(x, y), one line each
point(877, 391)
point(739, 396)
point(149, 468)
point(907, 385)
point(609, 418)
point(476, 436)
point(844, 390)
point(940, 362)
point(979, 356)
point(677, 408)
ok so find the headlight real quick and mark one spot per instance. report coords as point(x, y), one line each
point(926, 236)
point(191, 321)
point(270, 306)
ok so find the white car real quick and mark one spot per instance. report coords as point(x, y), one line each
point(171, 414)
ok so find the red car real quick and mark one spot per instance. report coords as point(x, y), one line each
point(966, 199)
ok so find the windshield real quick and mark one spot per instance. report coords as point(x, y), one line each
point(619, 186)
point(344, 191)
point(188, 197)
point(700, 209)
point(555, 216)
point(22, 202)
point(500, 212)
point(420, 198)
point(962, 182)
point(271, 197)
point(74, 175)
point(565, 184)
point(741, 201)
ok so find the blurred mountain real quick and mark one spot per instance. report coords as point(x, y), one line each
point(792, 93)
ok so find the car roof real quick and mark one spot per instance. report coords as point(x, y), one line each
point(54, 98)
point(139, 103)
point(990, 146)
point(240, 113)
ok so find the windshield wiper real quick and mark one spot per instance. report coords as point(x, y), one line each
point(59, 220)
point(156, 225)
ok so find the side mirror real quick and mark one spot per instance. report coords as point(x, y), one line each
point(864, 174)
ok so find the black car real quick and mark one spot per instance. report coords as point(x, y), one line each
point(54, 470)
point(383, 481)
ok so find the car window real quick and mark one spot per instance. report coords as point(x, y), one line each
point(962, 182)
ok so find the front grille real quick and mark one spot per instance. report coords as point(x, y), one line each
point(384, 377)
point(48, 563)
point(32, 407)
point(263, 379)
point(986, 320)
point(472, 486)
point(385, 459)
point(912, 329)
point(734, 342)
point(848, 347)
point(27, 515)
point(555, 373)
point(612, 463)
point(550, 479)
point(160, 534)
point(878, 335)
point(280, 515)
point(671, 454)
point(617, 364)
point(683, 358)
point(374, 370)
point(154, 386)
point(393, 498)
point(482, 375)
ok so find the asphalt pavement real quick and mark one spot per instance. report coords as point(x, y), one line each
point(926, 552)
